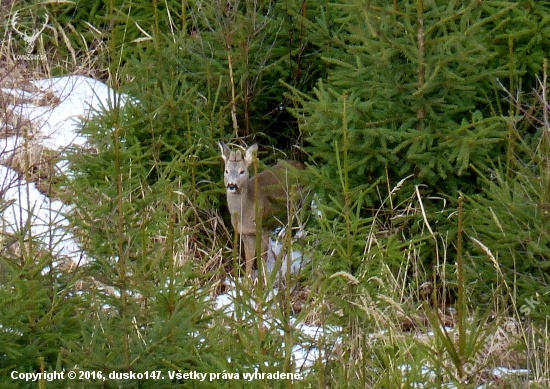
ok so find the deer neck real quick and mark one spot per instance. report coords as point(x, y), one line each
point(241, 206)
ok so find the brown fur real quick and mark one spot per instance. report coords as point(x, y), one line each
point(272, 197)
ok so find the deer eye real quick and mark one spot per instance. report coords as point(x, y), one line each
point(242, 172)
point(226, 171)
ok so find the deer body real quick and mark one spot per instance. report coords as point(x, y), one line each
point(271, 198)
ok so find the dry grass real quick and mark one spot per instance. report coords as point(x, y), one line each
point(28, 156)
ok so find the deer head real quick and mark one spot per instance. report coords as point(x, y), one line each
point(29, 39)
point(236, 174)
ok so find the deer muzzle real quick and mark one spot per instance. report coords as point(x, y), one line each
point(232, 188)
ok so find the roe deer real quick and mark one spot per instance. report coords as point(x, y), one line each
point(272, 197)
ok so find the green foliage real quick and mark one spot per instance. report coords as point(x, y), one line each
point(234, 55)
point(39, 313)
point(413, 99)
point(509, 227)
point(407, 113)
point(230, 58)
point(150, 311)
point(411, 83)
point(158, 326)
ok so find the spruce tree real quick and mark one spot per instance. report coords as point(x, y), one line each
point(413, 99)
point(509, 222)
point(147, 191)
point(414, 83)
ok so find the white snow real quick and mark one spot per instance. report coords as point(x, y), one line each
point(35, 216)
point(304, 351)
point(54, 125)
point(297, 262)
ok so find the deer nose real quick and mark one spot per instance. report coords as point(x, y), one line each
point(232, 187)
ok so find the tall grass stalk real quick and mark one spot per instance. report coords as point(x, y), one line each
point(461, 303)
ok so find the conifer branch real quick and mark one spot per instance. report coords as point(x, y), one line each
point(422, 66)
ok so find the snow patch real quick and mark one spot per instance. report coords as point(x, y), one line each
point(54, 111)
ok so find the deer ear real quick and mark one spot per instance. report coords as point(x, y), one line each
point(224, 150)
point(250, 152)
